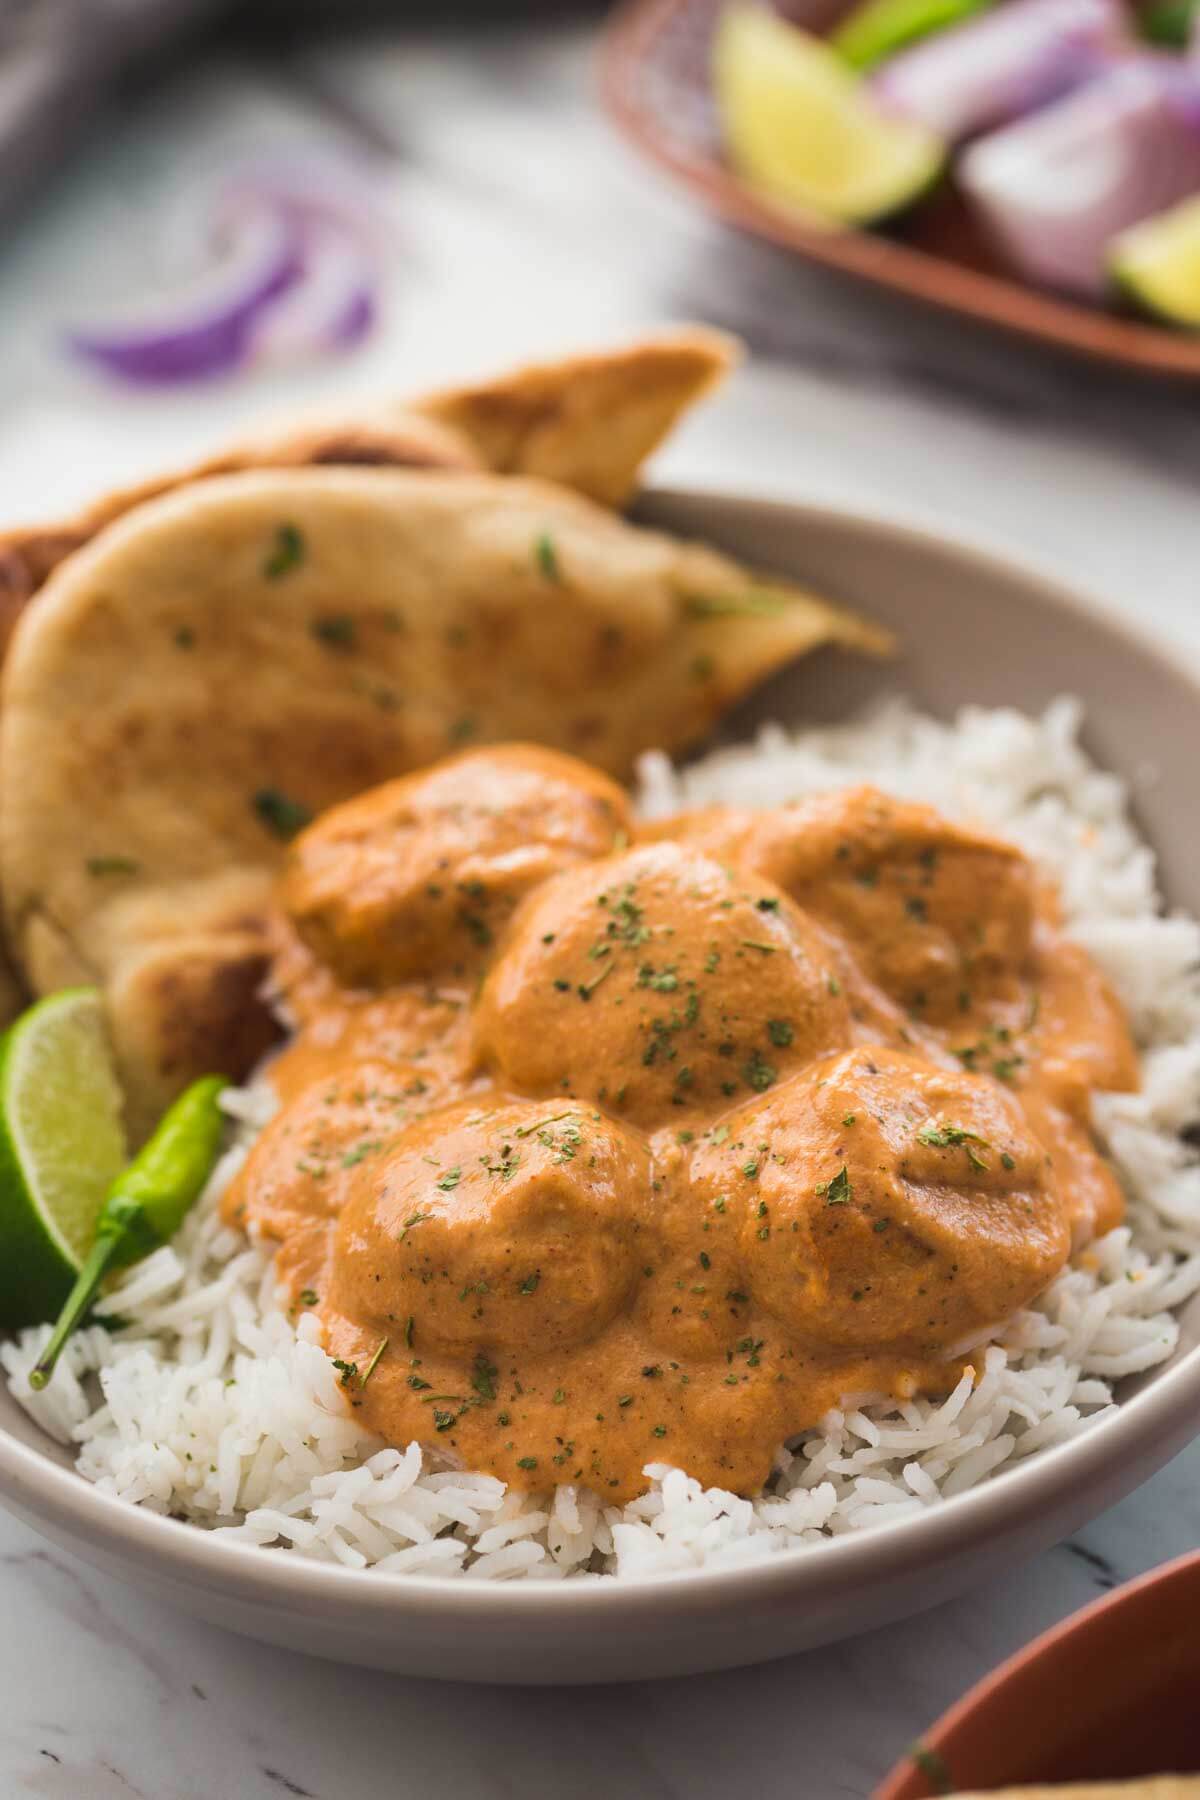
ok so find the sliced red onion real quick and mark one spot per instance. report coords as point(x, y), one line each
point(1003, 64)
point(300, 265)
point(207, 331)
point(333, 308)
point(1054, 189)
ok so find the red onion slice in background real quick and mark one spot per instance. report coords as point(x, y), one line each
point(1003, 64)
point(206, 331)
point(1053, 190)
point(333, 308)
point(300, 248)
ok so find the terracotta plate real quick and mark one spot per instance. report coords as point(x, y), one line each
point(1108, 1695)
point(655, 83)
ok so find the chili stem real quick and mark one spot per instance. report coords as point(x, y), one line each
point(77, 1304)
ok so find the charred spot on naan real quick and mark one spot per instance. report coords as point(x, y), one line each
point(181, 1007)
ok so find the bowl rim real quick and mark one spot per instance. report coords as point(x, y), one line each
point(1024, 1659)
point(43, 1488)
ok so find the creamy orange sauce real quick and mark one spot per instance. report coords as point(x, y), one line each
point(599, 1147)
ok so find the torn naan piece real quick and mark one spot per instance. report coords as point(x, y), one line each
point(587, 421)
point(590, 422)
point(231, 659)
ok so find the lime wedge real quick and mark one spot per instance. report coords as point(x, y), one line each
point(62, 1144)
point(876, 29)
point(802, 127)
point(1158, 263)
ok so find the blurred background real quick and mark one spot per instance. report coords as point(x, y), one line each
point(424, 191)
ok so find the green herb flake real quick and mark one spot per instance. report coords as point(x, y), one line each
point(371, 1366)
point(112, 865)
point(933, 1767)
point(529, 1285)
point(780, 1033)
point(280, 813)
point(308, 1296)
point(545, 555)
point(286, 553)
point(483, 1377)
point(839, 1192)
point(336, 630)
point(450, 1180)
point(938, 1135)
point(527, 1462)
point(759, 1074)
point(724, 606)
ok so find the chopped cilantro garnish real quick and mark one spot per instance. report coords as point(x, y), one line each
point(112, 865)
point(545, 554)
point(338, 630)
point(280, 813)
point(839, 1192)
point(285, 554)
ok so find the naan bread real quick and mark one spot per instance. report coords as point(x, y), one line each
point(588, 422)
point(233, 657)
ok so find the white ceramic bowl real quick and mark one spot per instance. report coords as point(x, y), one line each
point(974, 629)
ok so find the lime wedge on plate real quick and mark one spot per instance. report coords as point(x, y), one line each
point(62, 1144)
point(876, 29)
point(1158, 263)
point(802, 127)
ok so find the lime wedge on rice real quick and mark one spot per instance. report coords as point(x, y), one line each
point(803, 128)
point(876, 29)
point(1158, 263)
point(62, 1144)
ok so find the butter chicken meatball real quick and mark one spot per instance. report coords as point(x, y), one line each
point(936, 914)
point(301, 1168)
point(418, 877)
point(660, 983)
point(883, 1202)
point(505, 1227)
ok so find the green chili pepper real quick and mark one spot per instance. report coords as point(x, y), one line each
point(146, 1204)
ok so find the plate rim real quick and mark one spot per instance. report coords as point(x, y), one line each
point(1156, 1421)
point(919, 276)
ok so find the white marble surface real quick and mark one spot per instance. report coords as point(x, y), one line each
point(523, 225)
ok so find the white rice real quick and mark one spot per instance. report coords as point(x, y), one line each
point(208, 1405)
